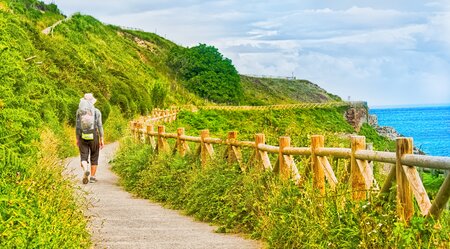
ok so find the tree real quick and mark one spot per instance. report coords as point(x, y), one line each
point(207, 73)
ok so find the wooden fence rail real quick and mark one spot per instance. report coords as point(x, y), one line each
point(268, 107)
point(362, 179)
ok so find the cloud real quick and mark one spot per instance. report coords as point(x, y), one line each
point(385, 52)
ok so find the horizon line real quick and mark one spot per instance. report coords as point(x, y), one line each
point(395, 106)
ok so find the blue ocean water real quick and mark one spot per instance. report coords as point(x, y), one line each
point(428, 126)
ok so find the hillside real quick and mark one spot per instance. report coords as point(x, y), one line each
point(271, 91)
point(129, 71)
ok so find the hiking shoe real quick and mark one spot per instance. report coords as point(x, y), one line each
point(93, 180)
point(85, 177)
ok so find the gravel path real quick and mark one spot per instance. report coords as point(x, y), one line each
point(121, 221)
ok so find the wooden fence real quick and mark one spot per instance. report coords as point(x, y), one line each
point(158, 116)
point(269, 107)
point(404, 173)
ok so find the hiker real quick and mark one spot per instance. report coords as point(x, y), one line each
point(89, 133)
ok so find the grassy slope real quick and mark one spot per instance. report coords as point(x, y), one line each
point(268, 91)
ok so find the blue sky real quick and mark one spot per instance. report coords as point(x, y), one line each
point(383, 52)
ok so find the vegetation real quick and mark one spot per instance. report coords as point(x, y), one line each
point(207, 73)
point(299, 124)
point(37, 205)
point(42, 78)
point(272, 91)
point(265, 207)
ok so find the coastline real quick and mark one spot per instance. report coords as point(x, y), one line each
point(389, 132)
point(428, 125)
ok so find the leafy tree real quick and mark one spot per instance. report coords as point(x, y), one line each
point(207, 73)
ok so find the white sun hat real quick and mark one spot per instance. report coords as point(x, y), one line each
point(90, 97)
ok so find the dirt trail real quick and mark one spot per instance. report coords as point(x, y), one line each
point(120, 220)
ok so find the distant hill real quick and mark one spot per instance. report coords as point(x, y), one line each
point(269, 91)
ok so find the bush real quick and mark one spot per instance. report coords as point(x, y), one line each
point(207, 73)
point(158, 94)
point(37, 204)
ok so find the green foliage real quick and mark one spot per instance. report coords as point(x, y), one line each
point(116, 126)
point(276, 211)
point(158, 94)
point(432, 182)
point(207, 73)
point(379, 142)
point(37, 204)
point(299, 124)
point(272, 91)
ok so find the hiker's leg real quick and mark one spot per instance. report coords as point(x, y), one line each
point(93, 170)
point(95, 151)
point(84, 154)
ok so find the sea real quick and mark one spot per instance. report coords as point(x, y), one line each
point(429, 126)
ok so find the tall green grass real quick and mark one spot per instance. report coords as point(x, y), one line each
point(278, 212)
point(38, 205)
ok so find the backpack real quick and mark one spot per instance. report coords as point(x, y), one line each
point(86, 112)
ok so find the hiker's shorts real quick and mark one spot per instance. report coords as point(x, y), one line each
point(89, 148)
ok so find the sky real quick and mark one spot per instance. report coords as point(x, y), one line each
point(384, 52)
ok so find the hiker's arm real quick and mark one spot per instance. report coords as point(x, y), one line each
point(77, 128)
point(100, 128)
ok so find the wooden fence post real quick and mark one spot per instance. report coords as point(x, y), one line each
point(233, 153)
point(384, 192)
point(165, 115)
point(262, 157)
point(357, 178)
point(174, 115)
point(206, 150)
point(150, 138)
point(317, 141)
point(441, 199)
point(141, 132)
point(283, 169)
point(135, 131)
point(162, 145)
point(181, 145)
point(409, 182)
point(405, 207)
point(369, 146)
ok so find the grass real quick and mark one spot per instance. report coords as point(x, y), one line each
point(269, 91)
point(259, 203)
point(267, 208)
point(38, 208)
point(299, 124)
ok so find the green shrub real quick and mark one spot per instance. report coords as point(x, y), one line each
point(116, 126)
point(159, 93)
point(38, 208)
point(206, 73)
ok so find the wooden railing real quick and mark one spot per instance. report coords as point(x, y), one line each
point(268, 107)
point(156, 116)
point(362, 181)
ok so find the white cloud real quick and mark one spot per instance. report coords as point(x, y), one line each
point(385, 52)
